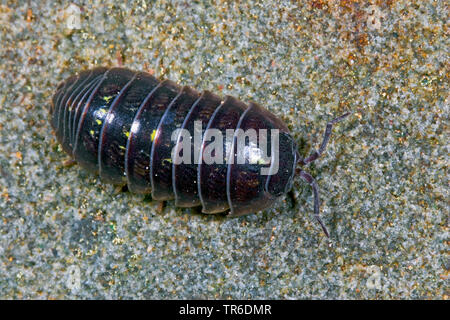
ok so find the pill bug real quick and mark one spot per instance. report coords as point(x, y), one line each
point(119, 123)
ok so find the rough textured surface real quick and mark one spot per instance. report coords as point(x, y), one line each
point(384, 178)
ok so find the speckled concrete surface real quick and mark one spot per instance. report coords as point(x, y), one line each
point(384, 179)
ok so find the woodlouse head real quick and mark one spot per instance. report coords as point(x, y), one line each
point(282, 182)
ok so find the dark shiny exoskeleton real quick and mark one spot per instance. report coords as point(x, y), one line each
point(119, 123)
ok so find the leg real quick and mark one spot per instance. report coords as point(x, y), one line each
point(316, 154)
point(308, 178)
point(291, 195)
point(69, 163)
point(120, 188)
point(161, 206)
point(119, 58)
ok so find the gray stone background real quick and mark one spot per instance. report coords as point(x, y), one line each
point(384, 178)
